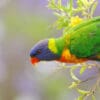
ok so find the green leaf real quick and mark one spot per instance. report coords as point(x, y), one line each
point(71, 4)
point(83, 68)
point(57, 14)
point(93, 8)
point(72, 74)
point(80, 4)
point(65, 9)
point(51, 1)
point(84, 2)
point(73, 85)
point(93, 97)
point(85, 8)
point(62, 22)
point(52, 4)
point(83, 91)
point(74, 77)
point(59, 3)
point(80, 97)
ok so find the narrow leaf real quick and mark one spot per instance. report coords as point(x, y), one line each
point(71, 4)
point(93, 8)
point(93, 97)
point(59, 3)
point(72, 74)
point(84, 2)
point(57, 14)
point(73, 85)
point(83, 68)
point(83, 91)
point(74, 77)
point(80, 97)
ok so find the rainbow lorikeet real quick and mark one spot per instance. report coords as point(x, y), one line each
point(79, 44)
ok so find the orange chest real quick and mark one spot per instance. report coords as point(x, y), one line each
point(70, 58)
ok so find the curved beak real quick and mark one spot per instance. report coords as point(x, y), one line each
point(34, 60)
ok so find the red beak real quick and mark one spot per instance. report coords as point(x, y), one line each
point(34, 60)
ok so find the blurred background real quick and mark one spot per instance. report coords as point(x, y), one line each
point(22, 24)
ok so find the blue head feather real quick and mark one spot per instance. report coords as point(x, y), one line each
point(42, 52)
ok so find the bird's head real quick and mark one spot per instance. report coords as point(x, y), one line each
point(44, 50)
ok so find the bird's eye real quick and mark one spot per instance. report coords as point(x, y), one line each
point(38, 52)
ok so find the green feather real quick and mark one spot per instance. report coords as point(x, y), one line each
point(60, 44)
point(85, 38)
point(82, 40)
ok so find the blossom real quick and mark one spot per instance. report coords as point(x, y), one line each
point(75, 21)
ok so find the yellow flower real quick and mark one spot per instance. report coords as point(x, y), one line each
point(75, 20)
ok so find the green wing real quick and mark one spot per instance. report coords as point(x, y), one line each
point(85, 38)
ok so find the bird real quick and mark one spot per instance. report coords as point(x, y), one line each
point(79, 44)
